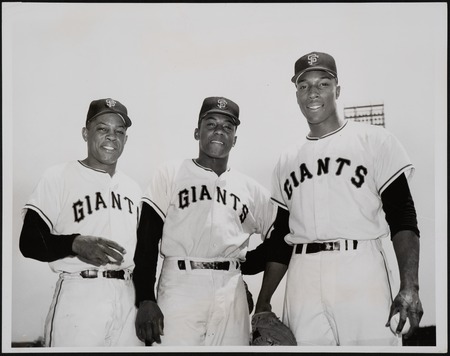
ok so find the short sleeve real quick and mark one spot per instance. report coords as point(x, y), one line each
point(277, 193)
point(45, 199)
point(158, 194)
point(391, 160)
point(266, 211)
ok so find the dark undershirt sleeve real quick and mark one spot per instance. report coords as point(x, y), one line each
point(38, 243)
point(398, 206)
point(146, 255)
point(272, 249)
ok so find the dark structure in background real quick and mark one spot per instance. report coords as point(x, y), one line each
point(371, 114)
point(425, 336)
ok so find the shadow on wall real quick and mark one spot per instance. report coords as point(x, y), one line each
point(425, 336)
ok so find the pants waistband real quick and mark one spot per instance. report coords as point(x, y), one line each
point(124, 274)
point(326, 246)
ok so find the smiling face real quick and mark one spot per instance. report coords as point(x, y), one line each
point(216, 135)
point(106, 138)
point(317, 92)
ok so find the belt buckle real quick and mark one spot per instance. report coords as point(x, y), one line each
point(90, 273)
point(331, 246)
point(336, 246)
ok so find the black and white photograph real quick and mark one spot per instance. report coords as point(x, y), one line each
point(224, 177)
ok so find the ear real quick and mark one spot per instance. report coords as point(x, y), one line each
point(196, 134)
point(235, 140)
point(338, 91)
point(84, 133)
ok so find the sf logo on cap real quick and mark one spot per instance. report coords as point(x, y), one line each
point(222, 103)
point(110, 103)
point(312, 58)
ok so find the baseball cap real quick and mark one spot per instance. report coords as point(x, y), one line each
point(314, 61)
point(220, 105)
point(103, 106)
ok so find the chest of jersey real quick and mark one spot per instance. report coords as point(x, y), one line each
point(97, 204)
point(207, 215)
point(331, 189)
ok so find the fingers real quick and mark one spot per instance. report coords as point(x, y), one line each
point(156, 331)
point(98, 251)
point(409, 307)
point(114, 245)
point(150, 332)
point(112, 251)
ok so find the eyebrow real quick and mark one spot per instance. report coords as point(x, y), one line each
point(228, 119)
point(107, 124)
point(322, 77)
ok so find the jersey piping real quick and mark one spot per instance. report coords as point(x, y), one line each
point(394, 176)
point(155, 207)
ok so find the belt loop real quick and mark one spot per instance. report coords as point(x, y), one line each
point(355, 244)
point(346, 245)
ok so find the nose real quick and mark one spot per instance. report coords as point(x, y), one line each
point(111, 136)
point(313, 92)
point(219, 130)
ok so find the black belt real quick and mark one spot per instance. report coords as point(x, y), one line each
point(220, 265)
point(92, 273)
point(327, 246)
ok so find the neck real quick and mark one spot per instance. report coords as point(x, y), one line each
point(218, 165)
point(324, 128)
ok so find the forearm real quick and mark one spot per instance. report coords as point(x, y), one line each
point(407, 250)
point(38, 243)
point(273, 249)
point(146, 255)
point(273, 275)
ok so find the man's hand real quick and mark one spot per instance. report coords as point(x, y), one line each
point(149, 322)
point(407, 303)
point(97, 250)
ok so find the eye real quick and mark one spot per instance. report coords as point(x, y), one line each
point(301, 87)
point(228, 127)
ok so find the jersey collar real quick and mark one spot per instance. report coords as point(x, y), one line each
point(313, 138)
point(206, 168)
point(91, 168)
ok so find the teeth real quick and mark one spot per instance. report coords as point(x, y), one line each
point(108, 148)
point(314, 107)
point(221, 143)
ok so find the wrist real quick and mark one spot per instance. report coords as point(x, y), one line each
point(262, 306)
point(74, 245)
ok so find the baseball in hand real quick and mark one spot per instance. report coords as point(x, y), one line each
point(394, 323)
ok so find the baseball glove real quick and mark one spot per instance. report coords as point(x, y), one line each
point(268, 330)
point(249, 298)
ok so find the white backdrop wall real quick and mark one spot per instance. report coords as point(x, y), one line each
point(162, 60)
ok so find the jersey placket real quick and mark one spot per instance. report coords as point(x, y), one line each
point(320, 199)
point(212, 245)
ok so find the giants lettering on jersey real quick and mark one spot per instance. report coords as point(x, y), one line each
point(193, 195)
point(90, 204)
point(323, 167)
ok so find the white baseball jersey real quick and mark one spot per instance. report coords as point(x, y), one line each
point(332, 185)
point(206, 218)
point(206, 215)
point(73, 198)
